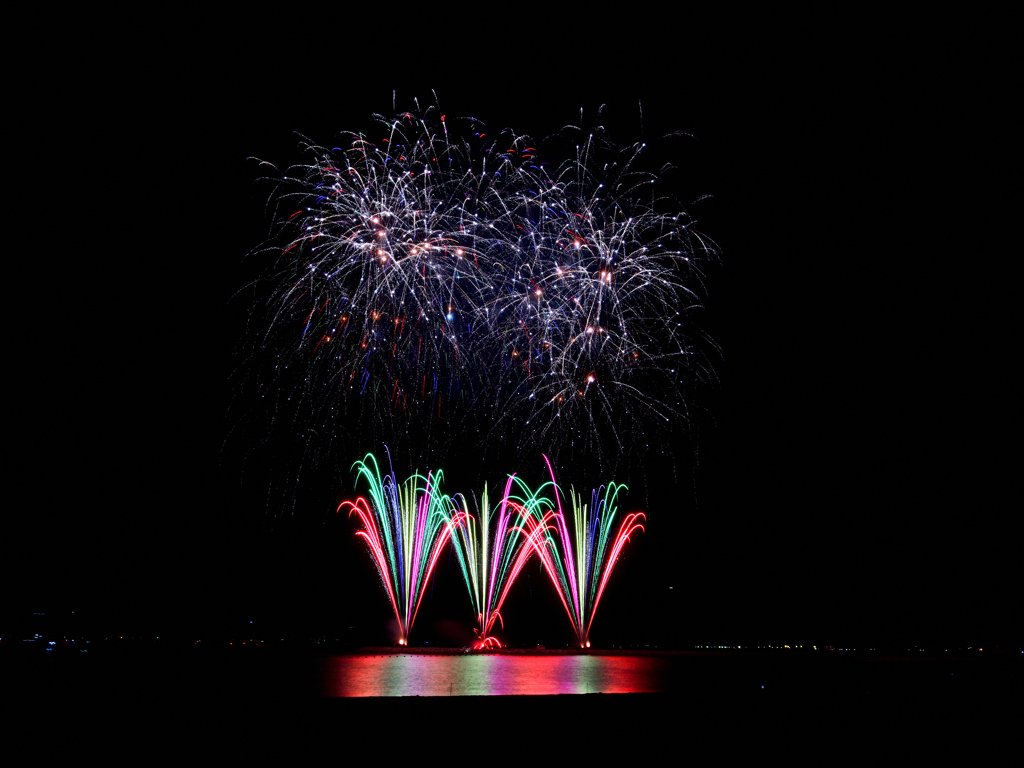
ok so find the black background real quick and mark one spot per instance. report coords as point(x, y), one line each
point(848, 480)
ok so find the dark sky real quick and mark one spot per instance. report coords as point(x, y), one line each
point(843, 481)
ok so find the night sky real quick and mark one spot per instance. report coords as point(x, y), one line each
point(843, 482)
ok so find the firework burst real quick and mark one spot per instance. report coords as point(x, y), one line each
point(435, 270)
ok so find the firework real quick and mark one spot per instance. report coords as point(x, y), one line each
point(380, 286)
point(437, 269)
point(406, 527)
point(492, 547)
point(589, 306)
point(579, 564)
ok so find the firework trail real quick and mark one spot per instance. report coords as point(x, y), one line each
point(579, 564)
point(405, 526)
point(492, 548)
point(442, 269)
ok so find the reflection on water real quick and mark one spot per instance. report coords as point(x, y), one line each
point(486, 675)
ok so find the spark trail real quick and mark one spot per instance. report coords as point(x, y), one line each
point(493, 547)
point(580, 563)
point(405, 527)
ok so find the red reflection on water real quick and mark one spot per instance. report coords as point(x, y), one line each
point(489, 675)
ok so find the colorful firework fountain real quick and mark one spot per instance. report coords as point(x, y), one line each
point(406, 527)
point(492, 548)
point(580, 564)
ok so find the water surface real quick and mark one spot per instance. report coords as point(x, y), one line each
point(489, 675)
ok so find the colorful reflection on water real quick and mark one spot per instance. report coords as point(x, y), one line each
point(487, 675)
